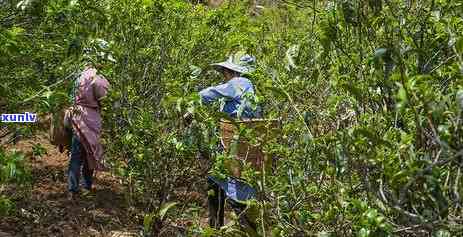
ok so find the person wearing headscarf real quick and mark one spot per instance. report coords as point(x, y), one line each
point(84, 118)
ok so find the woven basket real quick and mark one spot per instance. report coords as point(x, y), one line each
point(245, 151)
point(58, 134)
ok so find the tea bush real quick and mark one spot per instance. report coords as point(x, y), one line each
point(13, 171)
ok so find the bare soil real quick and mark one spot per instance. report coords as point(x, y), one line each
point(45, 209)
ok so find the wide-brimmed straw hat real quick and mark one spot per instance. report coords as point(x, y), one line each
point(242, 64)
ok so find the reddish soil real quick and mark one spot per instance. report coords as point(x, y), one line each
point(44, 209)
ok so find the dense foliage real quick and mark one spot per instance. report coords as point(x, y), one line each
point(13, 171)
point(370, 95)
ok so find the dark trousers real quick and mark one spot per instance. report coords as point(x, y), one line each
point(216, 204)
point(77, 163)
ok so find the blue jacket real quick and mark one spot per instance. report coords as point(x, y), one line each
point(236, 93)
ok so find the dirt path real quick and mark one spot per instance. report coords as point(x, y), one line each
point(46, 211)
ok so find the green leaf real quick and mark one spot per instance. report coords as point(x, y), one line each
point(459, 98)
point(12, 170)
point(278, 91)
point(441, 233)
point(209, 232)
point(195, 72)
point(15, 31)
point(324, 234)
point(178, 105)
point(165, 208)
point(147, 222)
point(459, 45)
point(402, 98)
point(363, 233)
point(371, 214)
point(128, 137)
point(291, 53)
point(23, 4)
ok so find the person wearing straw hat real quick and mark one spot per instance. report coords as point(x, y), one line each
point(237, 89)
point(237, 92)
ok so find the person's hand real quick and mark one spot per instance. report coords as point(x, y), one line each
point(188, 118)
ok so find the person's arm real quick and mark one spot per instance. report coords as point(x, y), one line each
point(100, 89)
point(213, 93)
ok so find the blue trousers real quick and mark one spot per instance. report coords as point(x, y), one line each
point(77, 163)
